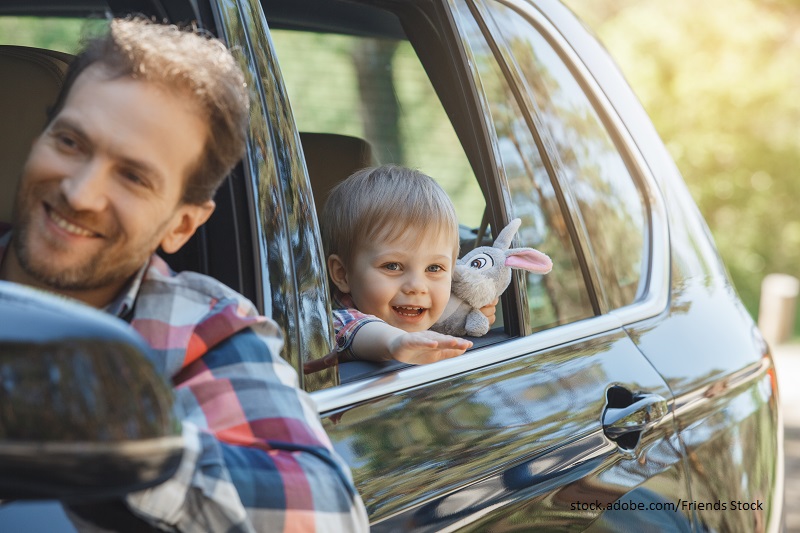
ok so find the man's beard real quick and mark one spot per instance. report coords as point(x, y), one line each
point(88, 275)
point(93, 272)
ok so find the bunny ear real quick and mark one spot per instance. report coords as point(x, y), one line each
point(503, 240)
point(529, 259)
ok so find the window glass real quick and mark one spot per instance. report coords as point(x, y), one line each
point(376, 89)
point(559, 297)
point(609, 201)
point(52, 33)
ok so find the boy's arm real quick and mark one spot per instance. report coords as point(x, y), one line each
point(378, 341)
point(368, 338)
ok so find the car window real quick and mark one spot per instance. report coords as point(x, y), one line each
point(561, 296)
point(376, 89)
point(606, 195)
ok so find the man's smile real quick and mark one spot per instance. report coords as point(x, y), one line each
point(67, 226)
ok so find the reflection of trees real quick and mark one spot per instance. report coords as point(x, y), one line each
point(81, 391)
point(430, 440)
point(607, 197)
point(560, 296)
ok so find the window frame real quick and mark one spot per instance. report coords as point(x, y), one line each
point(594, 278)
point(656, 274)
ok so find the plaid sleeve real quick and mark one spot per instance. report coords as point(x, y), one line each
point(257, 456)
point(346, 323)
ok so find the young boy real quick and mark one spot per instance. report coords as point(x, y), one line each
point(391, 237)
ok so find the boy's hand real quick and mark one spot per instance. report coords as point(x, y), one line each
point(489, 310)
point(424, 347)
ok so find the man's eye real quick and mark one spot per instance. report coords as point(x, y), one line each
point(133, 177)
point(66, 141)
point(392, 266)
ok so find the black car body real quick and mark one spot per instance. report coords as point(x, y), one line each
point(629, 389)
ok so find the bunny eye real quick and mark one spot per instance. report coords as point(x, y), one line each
point(481, 261)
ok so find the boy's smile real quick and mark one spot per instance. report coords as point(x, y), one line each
point(405, 282)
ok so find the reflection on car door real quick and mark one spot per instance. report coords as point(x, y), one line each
point(519, 442)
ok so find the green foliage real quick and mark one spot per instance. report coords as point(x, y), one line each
point(719, 78)
point(322, 83)
point(62, 34)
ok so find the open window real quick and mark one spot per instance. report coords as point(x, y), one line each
point(370, 86)
point(405, 87)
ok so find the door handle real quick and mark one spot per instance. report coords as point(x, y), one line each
point(628, 415)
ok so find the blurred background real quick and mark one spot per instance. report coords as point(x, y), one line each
point(719, 78)
point(721, 81)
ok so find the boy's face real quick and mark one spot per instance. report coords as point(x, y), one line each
point(405, 282)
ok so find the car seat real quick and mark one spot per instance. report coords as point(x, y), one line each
point(331, 158)
point(32, 79)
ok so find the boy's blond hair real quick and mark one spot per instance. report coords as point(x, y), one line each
point(383, 203)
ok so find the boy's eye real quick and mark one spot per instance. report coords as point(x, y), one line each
point(435, 268)
point(392, 266)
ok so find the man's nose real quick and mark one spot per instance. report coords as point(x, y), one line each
point(85, 189)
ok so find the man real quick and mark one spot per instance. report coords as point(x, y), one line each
point(149, 122)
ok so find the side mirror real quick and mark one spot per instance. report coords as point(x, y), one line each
point(83, 413)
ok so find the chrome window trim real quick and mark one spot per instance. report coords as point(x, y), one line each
point(258, 158)
point(281, 201)
point(653, 303)
point(393, 382)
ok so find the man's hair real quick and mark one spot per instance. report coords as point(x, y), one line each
point(192, 64)
point(383, 203)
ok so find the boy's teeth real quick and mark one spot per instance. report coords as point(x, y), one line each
point(408, 310)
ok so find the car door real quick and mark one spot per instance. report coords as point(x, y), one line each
point(530, 429)
point(706, 346)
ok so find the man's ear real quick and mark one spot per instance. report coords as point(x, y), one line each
point(187, 219)
point(338, 273)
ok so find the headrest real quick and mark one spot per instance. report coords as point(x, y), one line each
point(32, 79)
point(331, 158)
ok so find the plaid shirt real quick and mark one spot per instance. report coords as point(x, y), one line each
point(257, 457)
point(347, 320)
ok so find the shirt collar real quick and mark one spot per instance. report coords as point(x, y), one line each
point(342, 300)
point(123, 303)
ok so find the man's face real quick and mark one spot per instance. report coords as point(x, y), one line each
point(102, 186)
point(404, 282)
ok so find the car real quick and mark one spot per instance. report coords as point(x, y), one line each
point(627, 389)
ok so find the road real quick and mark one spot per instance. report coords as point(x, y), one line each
point(787, 362)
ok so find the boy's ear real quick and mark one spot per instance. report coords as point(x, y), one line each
point(185, 222)
point(338, 273)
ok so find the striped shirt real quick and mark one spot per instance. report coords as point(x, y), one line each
point(257, 457)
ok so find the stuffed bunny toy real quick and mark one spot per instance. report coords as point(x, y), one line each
point(481, 276)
